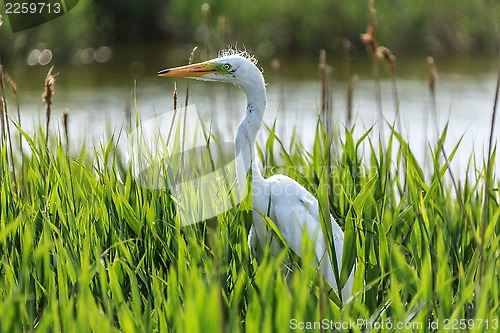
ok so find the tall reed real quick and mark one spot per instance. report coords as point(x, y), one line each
point(5, 116)
point(369, 38)
point(324, 74)
point(47, 97)
point(186, 103)
point(350, 98)
point(174, 108)
point(65, 115)
point(431, 81)
point(488, 177)
point(2, 110)
point(13, 87)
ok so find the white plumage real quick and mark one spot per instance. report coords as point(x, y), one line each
point(288, 204)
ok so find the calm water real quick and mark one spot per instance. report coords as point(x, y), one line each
point(98, 95)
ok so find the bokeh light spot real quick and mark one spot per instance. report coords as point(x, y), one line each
point(103, 54)
point(33, 57)
point(45, 57)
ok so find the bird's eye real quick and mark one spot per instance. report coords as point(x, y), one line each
point(226, 67)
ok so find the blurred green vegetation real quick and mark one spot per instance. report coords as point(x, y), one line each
point(440, 27)
point(267, 28)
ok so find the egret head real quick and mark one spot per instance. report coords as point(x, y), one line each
point(233, 68)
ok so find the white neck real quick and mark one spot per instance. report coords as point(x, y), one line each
point(246, 136)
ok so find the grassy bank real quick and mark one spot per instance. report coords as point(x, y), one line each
point(85, 248)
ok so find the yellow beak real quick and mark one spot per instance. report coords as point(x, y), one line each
point(195, 70)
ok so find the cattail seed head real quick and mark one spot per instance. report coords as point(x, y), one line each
point(11, 83)
point(384, 53)
point(47, 96)
point(366, 38)
point(49, 87)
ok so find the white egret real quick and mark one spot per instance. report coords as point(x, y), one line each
point(289, 205)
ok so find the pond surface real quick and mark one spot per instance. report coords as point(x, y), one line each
point(98, 95)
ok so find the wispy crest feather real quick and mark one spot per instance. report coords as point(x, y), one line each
point(233, 50)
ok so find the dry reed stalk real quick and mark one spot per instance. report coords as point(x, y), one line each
point(431, 81)
point(48, 99)
point(276, 66)
point(7, 126)
point(432, 76)
point(350, 96)
point(127, 112)
point(223, 26)
point(65, 118)
point(369, 36)
point(65, 115)
point(2, 109)
point(209, 50)
point(371, 45)
point(385, 54)
point(322, 70)
point(185, 111)
point(5, 118)
point(346, 52)
point(174, 96)
point(487, 183)
point(324, 73)
point(13, 87)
